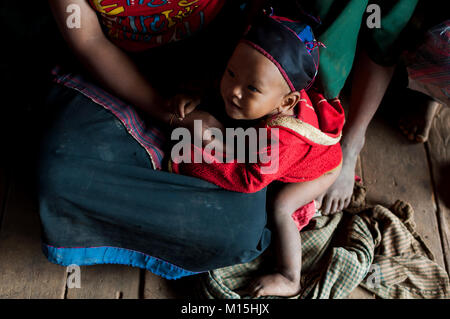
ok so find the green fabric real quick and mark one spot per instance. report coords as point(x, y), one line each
point(340, 39)
point(374, 247)
point(344, 24)
point(384, 45)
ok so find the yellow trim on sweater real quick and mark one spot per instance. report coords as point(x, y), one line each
point(304, 129)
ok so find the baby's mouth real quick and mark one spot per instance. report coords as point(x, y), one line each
point(233, 104)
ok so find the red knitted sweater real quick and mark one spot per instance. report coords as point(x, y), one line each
point(308, 147)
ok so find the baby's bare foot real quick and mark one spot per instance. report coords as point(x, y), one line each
point(274, 285)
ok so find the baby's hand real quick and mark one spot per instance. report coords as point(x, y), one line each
point(182, 105)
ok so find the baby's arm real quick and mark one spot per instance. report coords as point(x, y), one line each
point(290, 197)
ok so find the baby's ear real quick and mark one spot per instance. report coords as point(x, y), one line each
point(290, 101)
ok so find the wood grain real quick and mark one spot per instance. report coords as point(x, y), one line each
point(439, 150)
point(24, 270)
point(4, 187)
point(394, 168)
point(159, 288)
point(156, 287)
point(106, 282)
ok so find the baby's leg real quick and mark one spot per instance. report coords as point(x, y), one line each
point(285, 281)
point(282, 203)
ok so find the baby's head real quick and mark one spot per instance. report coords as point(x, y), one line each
point(275, 60)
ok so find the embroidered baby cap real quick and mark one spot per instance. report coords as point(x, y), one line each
point(290, 45)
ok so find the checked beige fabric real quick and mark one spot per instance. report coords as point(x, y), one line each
point(375, 247)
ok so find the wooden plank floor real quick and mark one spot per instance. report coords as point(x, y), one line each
point(438, 148)
point(391, 168)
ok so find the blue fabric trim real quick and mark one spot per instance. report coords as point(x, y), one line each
point(113, 255)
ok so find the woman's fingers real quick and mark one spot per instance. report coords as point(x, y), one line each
point(181, 106)
point(185, 105)
point(192, 106)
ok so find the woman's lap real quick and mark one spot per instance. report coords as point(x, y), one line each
point(97, 188)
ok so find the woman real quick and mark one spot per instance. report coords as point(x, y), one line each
point(102, 197)
point(370, 53)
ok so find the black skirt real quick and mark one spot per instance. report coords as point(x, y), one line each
point(101, 201)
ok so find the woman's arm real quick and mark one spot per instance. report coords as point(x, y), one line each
point(370, 82)
point(107, 63)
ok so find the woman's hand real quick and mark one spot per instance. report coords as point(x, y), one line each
point(202, 125)
point(182, 104)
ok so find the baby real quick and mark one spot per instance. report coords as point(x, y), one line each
point(265, 81)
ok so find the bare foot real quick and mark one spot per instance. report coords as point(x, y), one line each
point(416, 124)
point(274, 285)
point(339, 195)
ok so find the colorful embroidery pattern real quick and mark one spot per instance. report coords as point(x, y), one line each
point(137, 25)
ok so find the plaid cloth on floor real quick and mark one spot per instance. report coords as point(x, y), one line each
point(376, 248)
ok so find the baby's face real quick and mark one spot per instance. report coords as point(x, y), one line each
point(252, 86)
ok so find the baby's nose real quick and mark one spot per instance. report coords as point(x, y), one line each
point(237, 92)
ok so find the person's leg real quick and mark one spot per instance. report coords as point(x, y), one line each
point(283, 201)
point(101, 202)
point(418, 118)
point(285, 281)
point(369, 85)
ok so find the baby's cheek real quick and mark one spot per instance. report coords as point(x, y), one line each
point(250, 111)
point(223, 85)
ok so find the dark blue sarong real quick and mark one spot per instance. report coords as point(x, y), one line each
point(101, 201)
